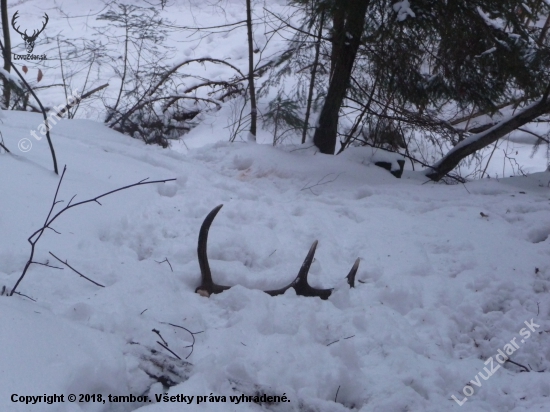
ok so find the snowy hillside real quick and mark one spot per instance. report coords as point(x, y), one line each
point(448, 276)
point(451, 306)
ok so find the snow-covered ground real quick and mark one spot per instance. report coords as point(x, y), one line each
point(442, 287)
point(449, 275)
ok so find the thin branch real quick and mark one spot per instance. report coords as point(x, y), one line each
point(160, 336)
point(207, 27)
point(296, 28)
point(489, 161)
point(35, 237)
point(169, 350)
point(347, 337)
point(62, 71)
point(25, 296)
point(4, 147)
point(47, 265)
point(534, 134)
point(187, 330)
point(518, 364)
point(320, 182)
point(164, 78)
point(80, 98)
point(76, 271)
point(479, 113)
point(167, 261)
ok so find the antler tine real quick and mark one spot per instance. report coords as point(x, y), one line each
point(36, 33)
point(351, 275)
point(43, 26)
point(13, 19)
point(300, 284)
point(207, 286)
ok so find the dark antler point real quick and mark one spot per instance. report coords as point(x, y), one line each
point(352, 273)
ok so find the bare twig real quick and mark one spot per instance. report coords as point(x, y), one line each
point(35, 237)
point(152, 89)
point(76, 271)
point(47, 265)
point(191, 333)
point(169, 350)
point(518, 364)
point(4, 147)
point(489, 161)
point(237, 23)
point(63, 78)
point(301, 148)
point(538, 136)
point(160, 336)
point(25, 296)
point(80, 98)
point(167, 261)
point(297, 29)
point(72, 115)
point(2, 143)
point(251, 85)
point(320, 182)
point(347, 337)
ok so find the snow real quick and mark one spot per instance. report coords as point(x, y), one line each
point(441, 289)
point(373, 155)
point(448, 275)
point(486, 52)
point(403, 10)
point(495, 23)
point(11, 77)
point(43, 354)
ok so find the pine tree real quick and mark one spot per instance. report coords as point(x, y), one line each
point(477, 55)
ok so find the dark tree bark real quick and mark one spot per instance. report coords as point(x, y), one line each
point(338, 20)
point(251, 88)
point(485, 138)
point(7, 49)
point(313, 74)
point(346, 40)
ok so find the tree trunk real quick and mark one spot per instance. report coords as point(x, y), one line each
point(338, 20)
point(346, 40)
point(485, 138)
point(313, 74)
point(251, 88)
point(7, 50)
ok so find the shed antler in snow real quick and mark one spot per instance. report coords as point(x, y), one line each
point(300, 284)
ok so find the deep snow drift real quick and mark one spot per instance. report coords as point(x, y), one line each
point(448, 276)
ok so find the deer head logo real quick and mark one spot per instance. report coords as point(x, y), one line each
point(29, 40)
